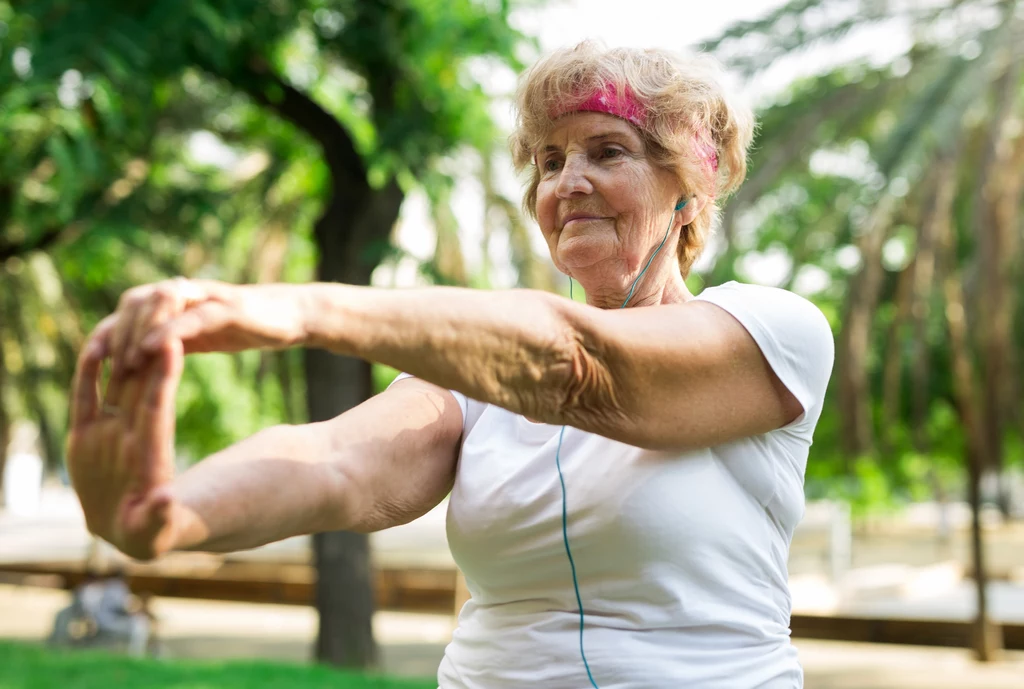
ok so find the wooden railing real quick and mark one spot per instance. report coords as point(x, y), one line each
point(442, 591)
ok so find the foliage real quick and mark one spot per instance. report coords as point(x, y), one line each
point(891, 194)
point(320, 114)
point(109, 112)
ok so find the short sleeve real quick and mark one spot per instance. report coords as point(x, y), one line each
point(793, 335)
point(471, 408)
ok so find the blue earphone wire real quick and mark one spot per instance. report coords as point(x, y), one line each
point(561, 477)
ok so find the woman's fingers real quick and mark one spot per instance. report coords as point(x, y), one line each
point(189, 328)
point(145, 308)
point(113, 396)
point(97, 346)
point(168, 300)
point(85, 398)
point(134, 396)
point(130, 306)
point(127, 455)
point(154, 423)
point(85, 395)
point(156, 307)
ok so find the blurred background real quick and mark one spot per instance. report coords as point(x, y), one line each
point(363, 141)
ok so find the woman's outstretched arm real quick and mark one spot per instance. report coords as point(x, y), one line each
point(670, 377)
point(382, 463)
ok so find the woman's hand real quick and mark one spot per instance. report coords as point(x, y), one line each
point(206, 316)
point(120, 451)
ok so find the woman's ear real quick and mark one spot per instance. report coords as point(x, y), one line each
point(690, 208)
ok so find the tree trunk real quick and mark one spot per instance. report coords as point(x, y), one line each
point(934, 225)
point(968, 399)
point(1011, 229)
point(351, 237)
point(1006, 217)
point(892, 364)
point(857, 432)
point(967, 402)
point(992, 300)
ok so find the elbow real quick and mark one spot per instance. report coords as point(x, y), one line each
point(583, 390)
point(336, 503)
point(337, 506)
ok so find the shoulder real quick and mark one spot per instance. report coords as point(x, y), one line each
point(772, 309)
point(762, 297)
point(792, 332)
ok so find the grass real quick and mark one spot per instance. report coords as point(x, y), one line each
point(27, 666)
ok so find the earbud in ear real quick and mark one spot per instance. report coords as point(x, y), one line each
point(682, 202)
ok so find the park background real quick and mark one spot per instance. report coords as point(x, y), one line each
point(363, 141)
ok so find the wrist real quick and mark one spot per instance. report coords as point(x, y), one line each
point(302, 299)
point(283, 314)
point(185, 530)
point(323, 307)
point(309, 307)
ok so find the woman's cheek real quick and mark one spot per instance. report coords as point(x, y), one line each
point(547, 207)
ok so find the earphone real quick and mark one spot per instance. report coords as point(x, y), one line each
point(558, 463)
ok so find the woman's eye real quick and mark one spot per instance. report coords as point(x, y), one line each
point(610, 152)
point(551, 165)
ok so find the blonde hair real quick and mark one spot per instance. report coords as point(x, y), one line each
point(687, 113)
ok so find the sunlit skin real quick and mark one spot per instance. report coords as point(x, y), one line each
point(603, 208)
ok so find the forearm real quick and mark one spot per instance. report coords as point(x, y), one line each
point(275, 484)
point(514, 348)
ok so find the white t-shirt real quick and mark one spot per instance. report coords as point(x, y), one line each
point(680, 558)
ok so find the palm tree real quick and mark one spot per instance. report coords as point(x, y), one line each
point(932, 145)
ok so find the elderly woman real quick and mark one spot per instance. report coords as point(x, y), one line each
point(624, 476)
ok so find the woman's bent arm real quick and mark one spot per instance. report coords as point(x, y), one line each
point(380, 464)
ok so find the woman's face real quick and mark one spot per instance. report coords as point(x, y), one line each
point(602, 205)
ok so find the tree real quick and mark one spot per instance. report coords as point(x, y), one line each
point(915, 167)
point(380, 90)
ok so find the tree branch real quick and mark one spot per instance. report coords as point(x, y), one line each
point(267, 88)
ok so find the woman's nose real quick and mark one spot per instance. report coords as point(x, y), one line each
point(573, 179)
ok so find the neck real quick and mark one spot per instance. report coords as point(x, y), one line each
point(651, 290)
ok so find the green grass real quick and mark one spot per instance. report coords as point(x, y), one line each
point(25, 666)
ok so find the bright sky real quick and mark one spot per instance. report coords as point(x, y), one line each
point(641, 23)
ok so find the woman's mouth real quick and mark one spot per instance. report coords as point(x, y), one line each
point(580, 219)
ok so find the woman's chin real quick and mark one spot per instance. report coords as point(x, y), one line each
point(580, 253)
